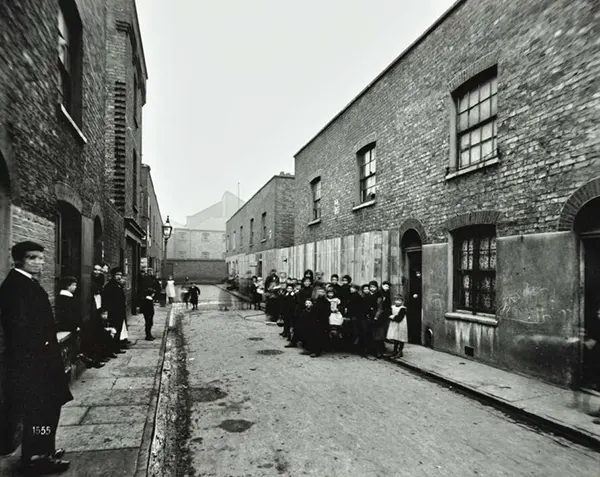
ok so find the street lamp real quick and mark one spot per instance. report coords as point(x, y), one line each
point(167, 229)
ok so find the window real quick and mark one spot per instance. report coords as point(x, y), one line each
point(475, 269)
point(251, 232)
point(227, 244)
point(263, 221)
point(205, 255)
point(367, 169)
point(69, 59)
point(135, 98)
point(315, 186)
point(476, 125)
point(205, 237)
point(233, 241)
point(241, 236)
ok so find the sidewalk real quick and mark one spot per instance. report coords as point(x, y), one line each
point(545, 405)
point(107, 428)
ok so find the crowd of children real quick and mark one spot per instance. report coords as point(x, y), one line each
point(316, 314)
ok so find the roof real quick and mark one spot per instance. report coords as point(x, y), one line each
point(399, 58)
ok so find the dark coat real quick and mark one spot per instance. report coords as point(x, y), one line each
point(194, 294)
point(35, 369)
point(68, 316)
point(147, 307)
point(356, 307)
point(113, 301)
point(288, 305)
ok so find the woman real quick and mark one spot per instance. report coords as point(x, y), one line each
point(170, 289)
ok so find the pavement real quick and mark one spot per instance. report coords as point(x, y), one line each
point(257, 409)
point(107, 428)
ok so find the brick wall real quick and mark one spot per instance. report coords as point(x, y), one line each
point(151, 219)
point(274, 198)
point(547, 114)
point(192, 244)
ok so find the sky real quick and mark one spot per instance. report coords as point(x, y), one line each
point(236, 87)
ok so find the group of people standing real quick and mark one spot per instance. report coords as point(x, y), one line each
point(311, 311)
point(36, 385)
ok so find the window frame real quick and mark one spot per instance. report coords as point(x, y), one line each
point(251, 242)
point(316, 186)
point(367, 193)
point(462, 99)
point(477, 233)
point(264, 226)
point(70, 44)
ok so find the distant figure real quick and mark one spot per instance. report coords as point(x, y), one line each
point(194, 294)
point(147, 309)
point(170, 289)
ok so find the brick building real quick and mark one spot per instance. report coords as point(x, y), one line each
point(153, 247)
point(260, 227)
point(126, 76)
point(468, 174)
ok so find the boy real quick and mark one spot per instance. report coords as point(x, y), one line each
point(147, 309)
point(319, 326)
point(288, 303)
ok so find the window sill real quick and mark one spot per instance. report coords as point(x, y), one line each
point(489, 320)
point(473, 168)
point(364, 204)
point(314, 222)
point(72, 122)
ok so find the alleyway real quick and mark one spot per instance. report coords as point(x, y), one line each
point(258, 409)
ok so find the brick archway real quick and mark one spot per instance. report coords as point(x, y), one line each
point(575, 202)
point(65, 193)
point(479, 217)
point(416, 225)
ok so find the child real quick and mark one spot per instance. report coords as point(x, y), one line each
point(335, 318)
point(334, 283)
point(397, 330)
point(319, 327)
point(384, 310)
point(68, 317)
point(193, 295)
point(255, 296)
point(148, 312)
point(344, 292)
point(288, 303)
point(302, 322)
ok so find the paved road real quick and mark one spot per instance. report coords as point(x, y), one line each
point(256, 414)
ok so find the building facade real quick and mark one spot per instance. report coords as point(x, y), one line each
point(152, 222)
point(57, 137)
point(261, 226)
point(468, 174)
point(126, 77)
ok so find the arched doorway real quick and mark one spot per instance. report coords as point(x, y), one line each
point(587, 226)
point(410, 244)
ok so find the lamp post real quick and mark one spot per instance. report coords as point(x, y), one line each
point(167, 229)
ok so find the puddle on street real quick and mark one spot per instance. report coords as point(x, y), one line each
point(270, 352)
point(255, 338)
point(207, 394)
point(236, 425)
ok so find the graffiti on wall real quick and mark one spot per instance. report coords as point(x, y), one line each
point(532, 304)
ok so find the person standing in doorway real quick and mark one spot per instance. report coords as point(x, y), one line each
point(38, 385)
point(114, 303)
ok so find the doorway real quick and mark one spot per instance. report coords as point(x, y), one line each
point(587, 225)
point(411, 247)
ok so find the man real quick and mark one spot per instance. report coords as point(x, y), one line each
point(100, 343)
point(113, 300)
point(38, 385)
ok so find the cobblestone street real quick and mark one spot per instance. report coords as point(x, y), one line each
point(258, 409)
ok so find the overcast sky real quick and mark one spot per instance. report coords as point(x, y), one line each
point(237, 87)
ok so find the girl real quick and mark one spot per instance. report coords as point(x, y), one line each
point(170, 289)
point(397, 330)
point(335, 318)
point(255, 297)
point(384, 310)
